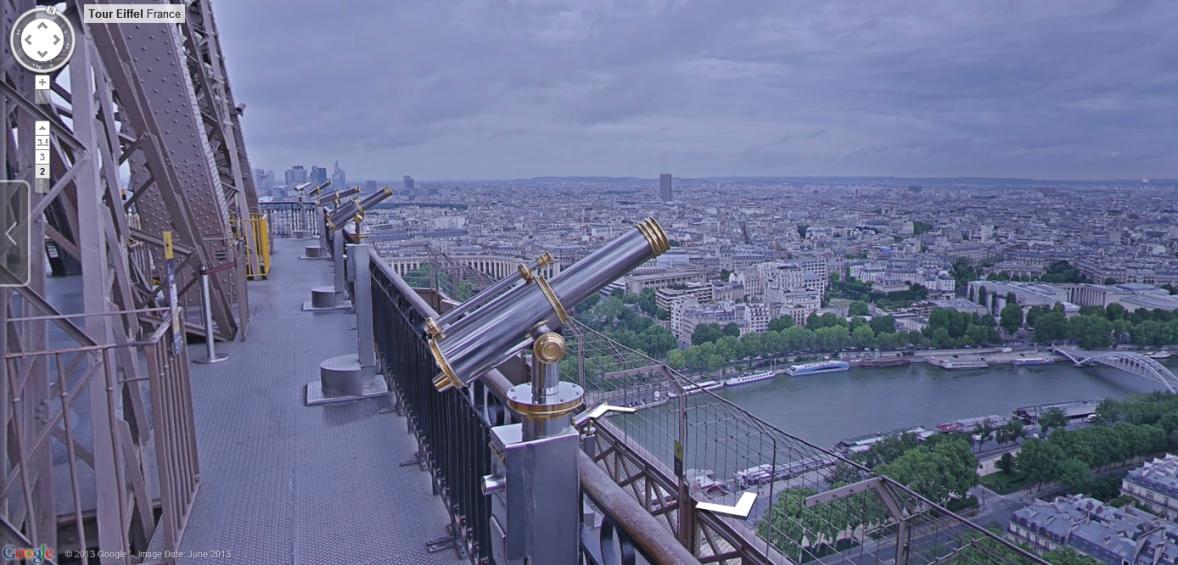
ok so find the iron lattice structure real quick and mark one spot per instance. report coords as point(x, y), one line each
point(95, 383)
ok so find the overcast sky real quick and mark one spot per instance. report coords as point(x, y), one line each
point(480, 89)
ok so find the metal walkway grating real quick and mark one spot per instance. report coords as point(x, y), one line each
point(286, 483)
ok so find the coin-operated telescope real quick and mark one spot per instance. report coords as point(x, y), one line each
point(534, 486)
point(526, 275)
point(300, 227)
point(314, 192)
point(354, 209)
point(335, 198)
point(327, 297)
point(301, 188)
point(467, 347)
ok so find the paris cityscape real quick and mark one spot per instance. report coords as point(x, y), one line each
point(953, 298)
point(589, 283)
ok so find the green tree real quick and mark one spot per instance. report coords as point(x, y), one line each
point(1069, 556)
point(1052, 419)
point(858, 308)
point(1075, 475)
point(963, 272)
point(1114, 311)
point(883, 325)
point(677, 359)
point(1011, 318)
point(985, 433)
point(647, 303)
point(705, 333)
point(982, 295)
point(1039, 460)
point(793, 528)
point(1006, 463)
point(1091, 331)
point(944, 470)
point(827, 320)
point(941, 339)
point(833, 338)
point(863, 336)
point(781, 323)
point(1063, 272)
point(798, 339)
point(731, 329)
point(1051, 327)
point(1010, 432)
point(802, 229)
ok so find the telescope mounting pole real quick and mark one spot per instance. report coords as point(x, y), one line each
point(536, 508)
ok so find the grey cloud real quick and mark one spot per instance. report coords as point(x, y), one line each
point(481, 89)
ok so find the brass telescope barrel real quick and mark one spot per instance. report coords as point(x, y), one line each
point(490, 335)
point(325, 199)
point(315, 191)
point(525, 274)
point(345, 212)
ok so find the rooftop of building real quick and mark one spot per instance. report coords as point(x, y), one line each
point(1101, 530)
point(1161, 475)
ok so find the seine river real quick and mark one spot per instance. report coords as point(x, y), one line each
point(828, 407)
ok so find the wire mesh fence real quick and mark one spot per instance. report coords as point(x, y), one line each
point(804, 503)
point(439, 271)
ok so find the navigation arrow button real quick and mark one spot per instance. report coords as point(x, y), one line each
point(14, 233)
point(741, 509)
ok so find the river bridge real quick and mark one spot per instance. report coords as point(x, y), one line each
point(155, 390)
point(1131, 362)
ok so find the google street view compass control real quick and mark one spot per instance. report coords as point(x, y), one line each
point(42, 40)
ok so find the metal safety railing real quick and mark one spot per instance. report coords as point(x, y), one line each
point(452, 428)
point(94, 456)
point(287, 217)
point(257, 264)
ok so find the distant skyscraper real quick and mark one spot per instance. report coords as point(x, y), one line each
point(407, 183)
point(665, 187)
point(263, 180)
point(370, 186)
point(296, 175)
point(318, 174)
point(338, 178)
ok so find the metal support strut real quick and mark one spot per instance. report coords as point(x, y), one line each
point(206, 306)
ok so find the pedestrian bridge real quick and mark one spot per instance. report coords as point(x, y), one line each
point(1128, 361)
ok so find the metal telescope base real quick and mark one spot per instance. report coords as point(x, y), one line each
point(211, 360)
point(315, 253)
point(326, 299)
point(341, 378)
